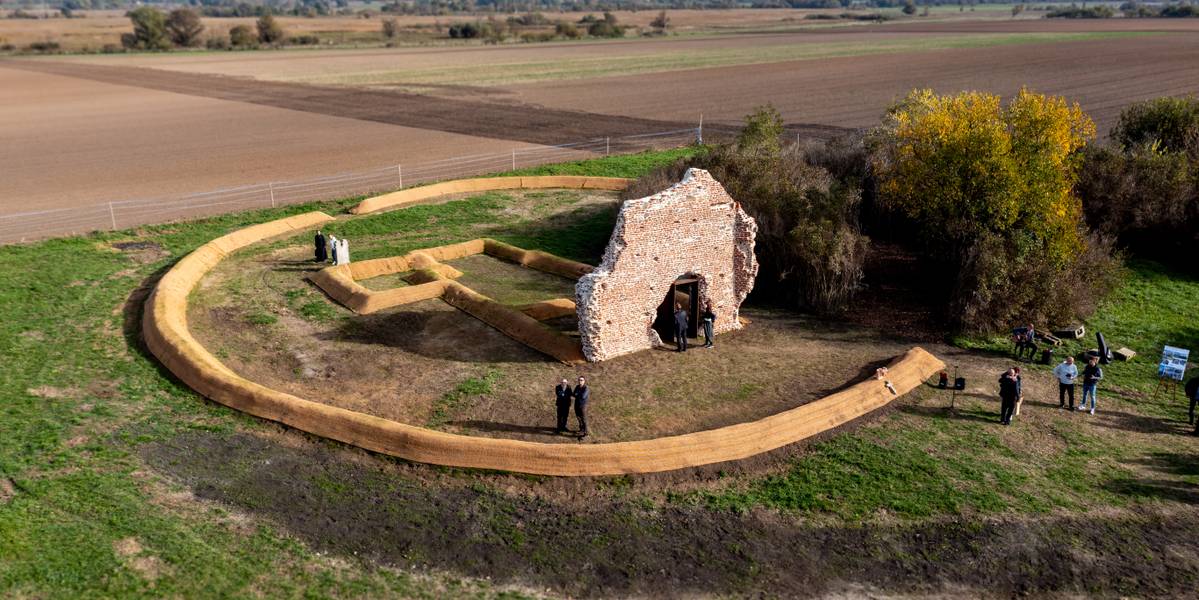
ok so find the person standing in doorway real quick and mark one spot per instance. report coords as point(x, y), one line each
point(1091, 375)
point(680, 328)
point(319, 241)
point(709, 319)
point(581, 395)
point(1066, 373)
point(1008, 390)
point(562, 397)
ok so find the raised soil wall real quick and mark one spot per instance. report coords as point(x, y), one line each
point(164, 327)
point(415, 195)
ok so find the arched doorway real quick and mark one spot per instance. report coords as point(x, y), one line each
point(685, 291)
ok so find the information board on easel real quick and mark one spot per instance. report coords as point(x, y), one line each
point(1172, 368)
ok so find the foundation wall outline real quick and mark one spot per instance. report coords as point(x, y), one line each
point(166, 333)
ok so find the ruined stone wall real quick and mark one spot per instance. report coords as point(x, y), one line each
point(692, 228)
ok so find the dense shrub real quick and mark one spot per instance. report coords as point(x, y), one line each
point(304, 40)
point(464, 31)
point(241, 36)
point(660, 22)
point(184, 27)
point(46, 47)
point(269, 30)
point(1172, 124)
point(988, 192)
point(1145, 192)
point(1073, 12)
point(149, 30)
point(217, 42)
point(605, 27)
point(390, 28)
point(809, 244)
point(567, 30)
point(1179, 11)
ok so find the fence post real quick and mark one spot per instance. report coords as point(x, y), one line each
point(699, 135)
point(607, 146)
point(400, 174)
point(112, 215)
point(271, 186)
point(514, 159)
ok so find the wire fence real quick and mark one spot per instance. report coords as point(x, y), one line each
point(124, 214)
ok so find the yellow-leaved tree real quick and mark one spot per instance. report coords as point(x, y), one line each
point(988, 188)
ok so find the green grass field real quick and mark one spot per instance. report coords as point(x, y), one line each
point(117, 481)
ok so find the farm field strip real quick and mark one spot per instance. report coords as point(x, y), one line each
point(477, 67)
point(1102, 75)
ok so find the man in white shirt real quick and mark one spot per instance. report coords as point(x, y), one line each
point(1066, 373)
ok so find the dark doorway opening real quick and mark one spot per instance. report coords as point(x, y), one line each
point(685, 291)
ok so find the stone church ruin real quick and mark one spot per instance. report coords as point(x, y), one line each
point(690, 244)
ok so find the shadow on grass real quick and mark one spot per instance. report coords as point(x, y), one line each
point(1179, 466)
point(561, 534)
point(945, 412)
point(439, 332)
point(491, 426)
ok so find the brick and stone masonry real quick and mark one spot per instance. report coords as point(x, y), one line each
point(692, 228)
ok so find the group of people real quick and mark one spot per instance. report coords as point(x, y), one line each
point(331, 248)
point(564, 396)
point(1011, 387)
point(682, 322)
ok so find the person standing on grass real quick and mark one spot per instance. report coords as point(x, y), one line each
point(1194, 401)
point(562, 395)
point(1192, 390)
point(1019, 390)
point(581, 395)
point(709, 319)
point(1066, 373)
point(1008, 390)
point(319, 241)
point(343, 253)
point(1091, 375)
point(680, 328)
point(333, 246)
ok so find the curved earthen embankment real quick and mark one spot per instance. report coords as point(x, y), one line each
point(166, 333)
point(414, 195)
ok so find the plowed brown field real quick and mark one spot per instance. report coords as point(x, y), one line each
point(82, 130)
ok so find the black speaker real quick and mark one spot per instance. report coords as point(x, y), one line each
point(959, 383)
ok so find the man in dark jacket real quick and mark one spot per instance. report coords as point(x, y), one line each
point(563, 395)
point(1091, 375)
point(1008, 392)
point(680, 328)
point(709, 319)
point(581, 395)
point(319, 241)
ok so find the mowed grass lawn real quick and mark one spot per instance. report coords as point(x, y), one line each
point(611, 64)
point(117, 481)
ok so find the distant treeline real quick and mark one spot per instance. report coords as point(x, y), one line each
point(251, 8)
point(1131, 10)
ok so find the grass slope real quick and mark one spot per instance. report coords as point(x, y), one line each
point(118, 481)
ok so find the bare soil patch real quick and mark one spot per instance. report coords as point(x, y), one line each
point(598, 544)
point(78, 141)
